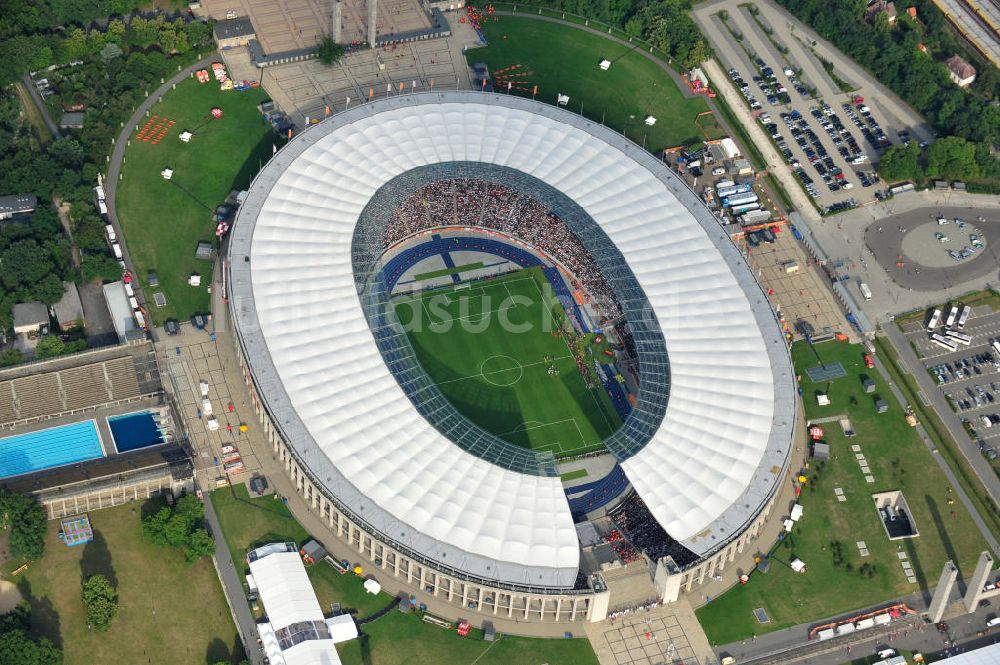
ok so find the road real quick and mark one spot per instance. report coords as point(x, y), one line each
point(118, 155)
point(40, 105)
point(233, 587)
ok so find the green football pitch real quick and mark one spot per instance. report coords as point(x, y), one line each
point(491, 349)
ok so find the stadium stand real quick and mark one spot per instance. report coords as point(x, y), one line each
point(394, 269)
point(598, 493)
point(68, 389)
point(644, 533)
point(488, 205)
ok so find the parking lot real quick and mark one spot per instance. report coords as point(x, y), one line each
point(829, 138)
point(969, 377)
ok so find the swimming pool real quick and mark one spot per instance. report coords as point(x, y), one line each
point(134, 430)
point(49, 448)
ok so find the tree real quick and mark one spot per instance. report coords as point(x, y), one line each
point(23, 264)
point(952, 158)
point(100, 600)
point(900, 163)
point(182, 527)
point(329, 51)
point(50, 346)
point(10, 356)
point(17, 648)
point(199, 544)
point(27, 523)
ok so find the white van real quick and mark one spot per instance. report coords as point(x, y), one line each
point(987, 422)
point(995, 621)
point(866, 292)
point(117, 249)
point(110, 230)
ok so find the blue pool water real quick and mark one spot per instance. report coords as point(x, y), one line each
point(48, 448)
point(134, 430)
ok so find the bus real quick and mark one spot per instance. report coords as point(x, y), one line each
point(934, 320)
point(956, 336)
point(964, 316)
point(739, 199)
point(944, 342)
point(952, 315)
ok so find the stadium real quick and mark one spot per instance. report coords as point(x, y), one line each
point(440, 296)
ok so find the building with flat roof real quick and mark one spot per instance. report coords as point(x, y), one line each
point(17, 204)
point(234, 32)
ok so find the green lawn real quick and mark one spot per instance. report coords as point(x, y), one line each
point(164, 220)
point(250, 522)
point(398, 639)
point(170, 612)
point(522, 386)
point(564, 59)
point(898, 460)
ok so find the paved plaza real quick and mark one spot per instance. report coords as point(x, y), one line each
point(801, 295)
point(306, 89)
point(287, 25)
point(906, 247)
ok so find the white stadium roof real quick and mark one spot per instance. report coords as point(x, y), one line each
point(721, 447)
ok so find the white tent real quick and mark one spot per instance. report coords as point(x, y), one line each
point(372, 586)
point(342, 628)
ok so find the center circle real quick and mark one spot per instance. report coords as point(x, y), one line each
point(501, 371)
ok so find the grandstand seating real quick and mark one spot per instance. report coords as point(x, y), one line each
point(633, 519)
point(121, 375)
point(598, 493)
point(394, 269)
point(470, 202)
point(51, 393)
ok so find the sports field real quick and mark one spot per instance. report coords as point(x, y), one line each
point(163, 220)
point(491, 348)
point(563, 59)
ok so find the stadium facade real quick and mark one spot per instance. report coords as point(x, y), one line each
point(382, 457)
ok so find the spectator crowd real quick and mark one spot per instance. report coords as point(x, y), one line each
point(496, 207)
point(633, 519)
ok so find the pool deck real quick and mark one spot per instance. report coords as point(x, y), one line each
point(75, 472)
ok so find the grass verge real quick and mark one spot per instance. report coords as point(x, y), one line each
point(394, 639)
point(251, 522)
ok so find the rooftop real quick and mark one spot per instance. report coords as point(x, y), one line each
point(960, 68)
point(30, 314)
point(235, 27)
point(708, 459)
point(69, 308)
point(17, 203)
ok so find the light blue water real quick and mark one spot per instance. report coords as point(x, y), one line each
point(134, 430)
point(48, 448)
